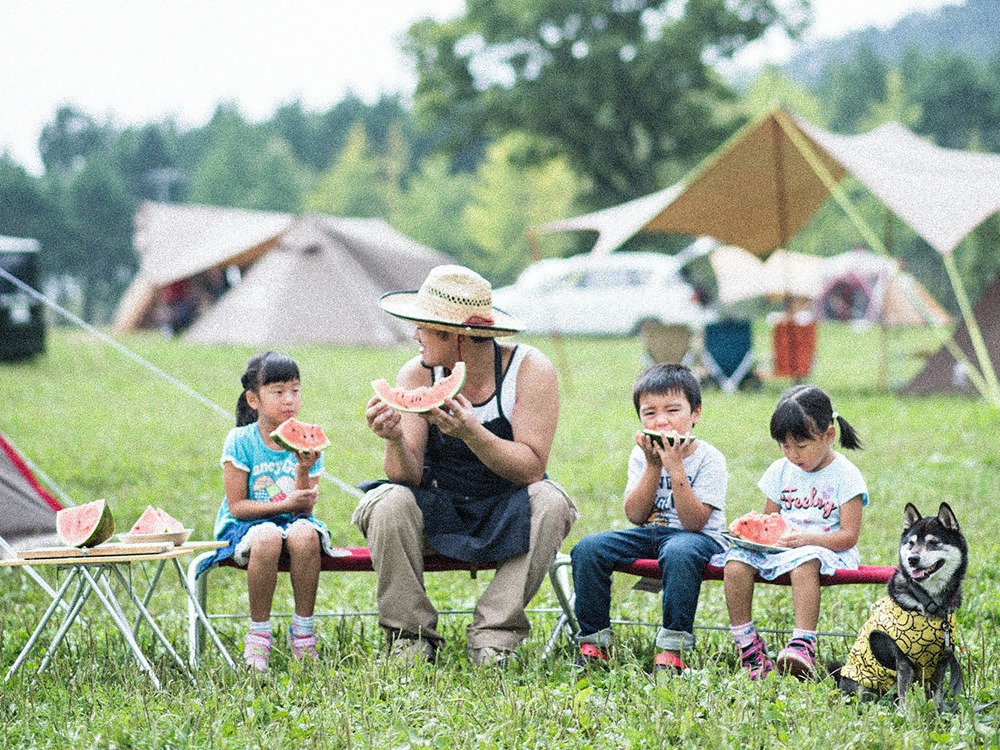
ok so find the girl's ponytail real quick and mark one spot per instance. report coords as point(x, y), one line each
point(848, 435)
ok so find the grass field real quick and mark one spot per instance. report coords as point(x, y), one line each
point(103, 426)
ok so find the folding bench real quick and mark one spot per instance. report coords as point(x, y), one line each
point(559, 575)
point(358, 560)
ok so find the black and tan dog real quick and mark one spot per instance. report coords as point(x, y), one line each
point(909, 636)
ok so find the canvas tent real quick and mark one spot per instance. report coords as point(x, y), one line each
point(303, 278)
point(29, 510)
point(761, 187)
point(943, 373)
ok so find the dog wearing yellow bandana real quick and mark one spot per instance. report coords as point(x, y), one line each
point(909, 636)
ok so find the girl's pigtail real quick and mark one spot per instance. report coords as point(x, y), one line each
point(244, 413)
point(848, 435)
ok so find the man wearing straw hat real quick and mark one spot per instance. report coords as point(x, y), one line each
point(467, 480)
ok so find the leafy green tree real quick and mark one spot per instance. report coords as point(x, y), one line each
point(850, 88)
point(428, 208)
point(354, 185)
point(624, 89)
point(896, 106)
point(772, 87)
point(245, 168)
point(101, 210)
point(506, 199)
point(71, 137)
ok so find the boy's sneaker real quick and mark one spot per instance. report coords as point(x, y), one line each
point(798, 658)
point(257, 650)
point(668, 662)
point(755, 658)
point(590, 654)
point(303, 646)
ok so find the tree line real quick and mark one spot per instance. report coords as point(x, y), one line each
point(523, 112)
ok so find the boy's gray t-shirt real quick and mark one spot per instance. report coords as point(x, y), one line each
point(707, 474)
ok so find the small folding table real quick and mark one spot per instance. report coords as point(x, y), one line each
point(92, 570)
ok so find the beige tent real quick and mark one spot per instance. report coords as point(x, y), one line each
point(303, 279)
point(761, 187)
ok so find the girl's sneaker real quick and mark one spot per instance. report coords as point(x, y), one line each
point(303, 645)
point(755, 658)
point(257, 650)
point(798, 658)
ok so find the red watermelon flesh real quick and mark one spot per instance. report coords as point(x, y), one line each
point(156, 521)
point(762, 528)
point(85, 525)
point(298, 436)
point(422, 398)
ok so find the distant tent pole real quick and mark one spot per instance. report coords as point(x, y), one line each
point(985, 382)
point(557, 341)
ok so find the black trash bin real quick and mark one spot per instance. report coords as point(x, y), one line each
point(22, 323)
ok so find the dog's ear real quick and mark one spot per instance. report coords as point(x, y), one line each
point(910, 516)
point(947, 517)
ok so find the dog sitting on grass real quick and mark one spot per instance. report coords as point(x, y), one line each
point(909, 636)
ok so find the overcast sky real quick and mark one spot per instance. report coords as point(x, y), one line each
point(138, 61)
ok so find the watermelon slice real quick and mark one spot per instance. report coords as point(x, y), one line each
point(762, 528)
point(156, 521)
point(85, 525)
point(659, 437)
point(422, 398)
point(298, 436)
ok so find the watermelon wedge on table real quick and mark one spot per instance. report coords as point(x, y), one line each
point(85, 525)
point(156, 521)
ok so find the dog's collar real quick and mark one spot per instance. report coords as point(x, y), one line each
point(930, 606)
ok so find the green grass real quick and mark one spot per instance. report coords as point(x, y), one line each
point(102, 426)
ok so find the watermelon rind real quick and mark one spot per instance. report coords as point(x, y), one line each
point(85, 525)
point(659, 437)
point(283, 437)
point(425, 398)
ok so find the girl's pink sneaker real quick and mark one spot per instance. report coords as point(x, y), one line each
point(257, 650)
point(303, 645)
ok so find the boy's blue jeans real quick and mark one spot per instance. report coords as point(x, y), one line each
point(682, 556)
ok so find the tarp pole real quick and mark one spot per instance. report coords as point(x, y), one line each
point(972, 325)
point(990, 394)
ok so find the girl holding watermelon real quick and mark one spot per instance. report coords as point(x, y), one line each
point(267, 510)
point(819, 494)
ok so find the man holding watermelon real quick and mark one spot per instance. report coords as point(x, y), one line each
point(465, 478)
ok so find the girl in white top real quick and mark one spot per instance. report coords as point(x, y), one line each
point(819, 493)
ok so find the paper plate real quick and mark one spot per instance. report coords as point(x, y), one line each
point(739, 541)
point(177, 537)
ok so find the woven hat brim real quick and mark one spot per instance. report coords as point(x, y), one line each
point(406, 305)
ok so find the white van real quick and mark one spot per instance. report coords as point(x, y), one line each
point(605, 296)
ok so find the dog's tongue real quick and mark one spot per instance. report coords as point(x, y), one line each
point(919, 573)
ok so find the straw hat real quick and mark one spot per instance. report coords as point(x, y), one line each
point(453, 299)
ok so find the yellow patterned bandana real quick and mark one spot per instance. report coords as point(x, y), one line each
point(922, 639)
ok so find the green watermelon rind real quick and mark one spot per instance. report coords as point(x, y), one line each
point(289, 445)
point(98, 532)
point(448, 387)
point(660, 437)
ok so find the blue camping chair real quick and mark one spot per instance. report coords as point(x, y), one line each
point(728, 355)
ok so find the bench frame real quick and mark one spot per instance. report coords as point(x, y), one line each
point(358, 560)
point(646, 568)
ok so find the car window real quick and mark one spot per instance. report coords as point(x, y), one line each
point(614, 278)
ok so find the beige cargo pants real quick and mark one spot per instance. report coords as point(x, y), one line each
point(391, 521)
